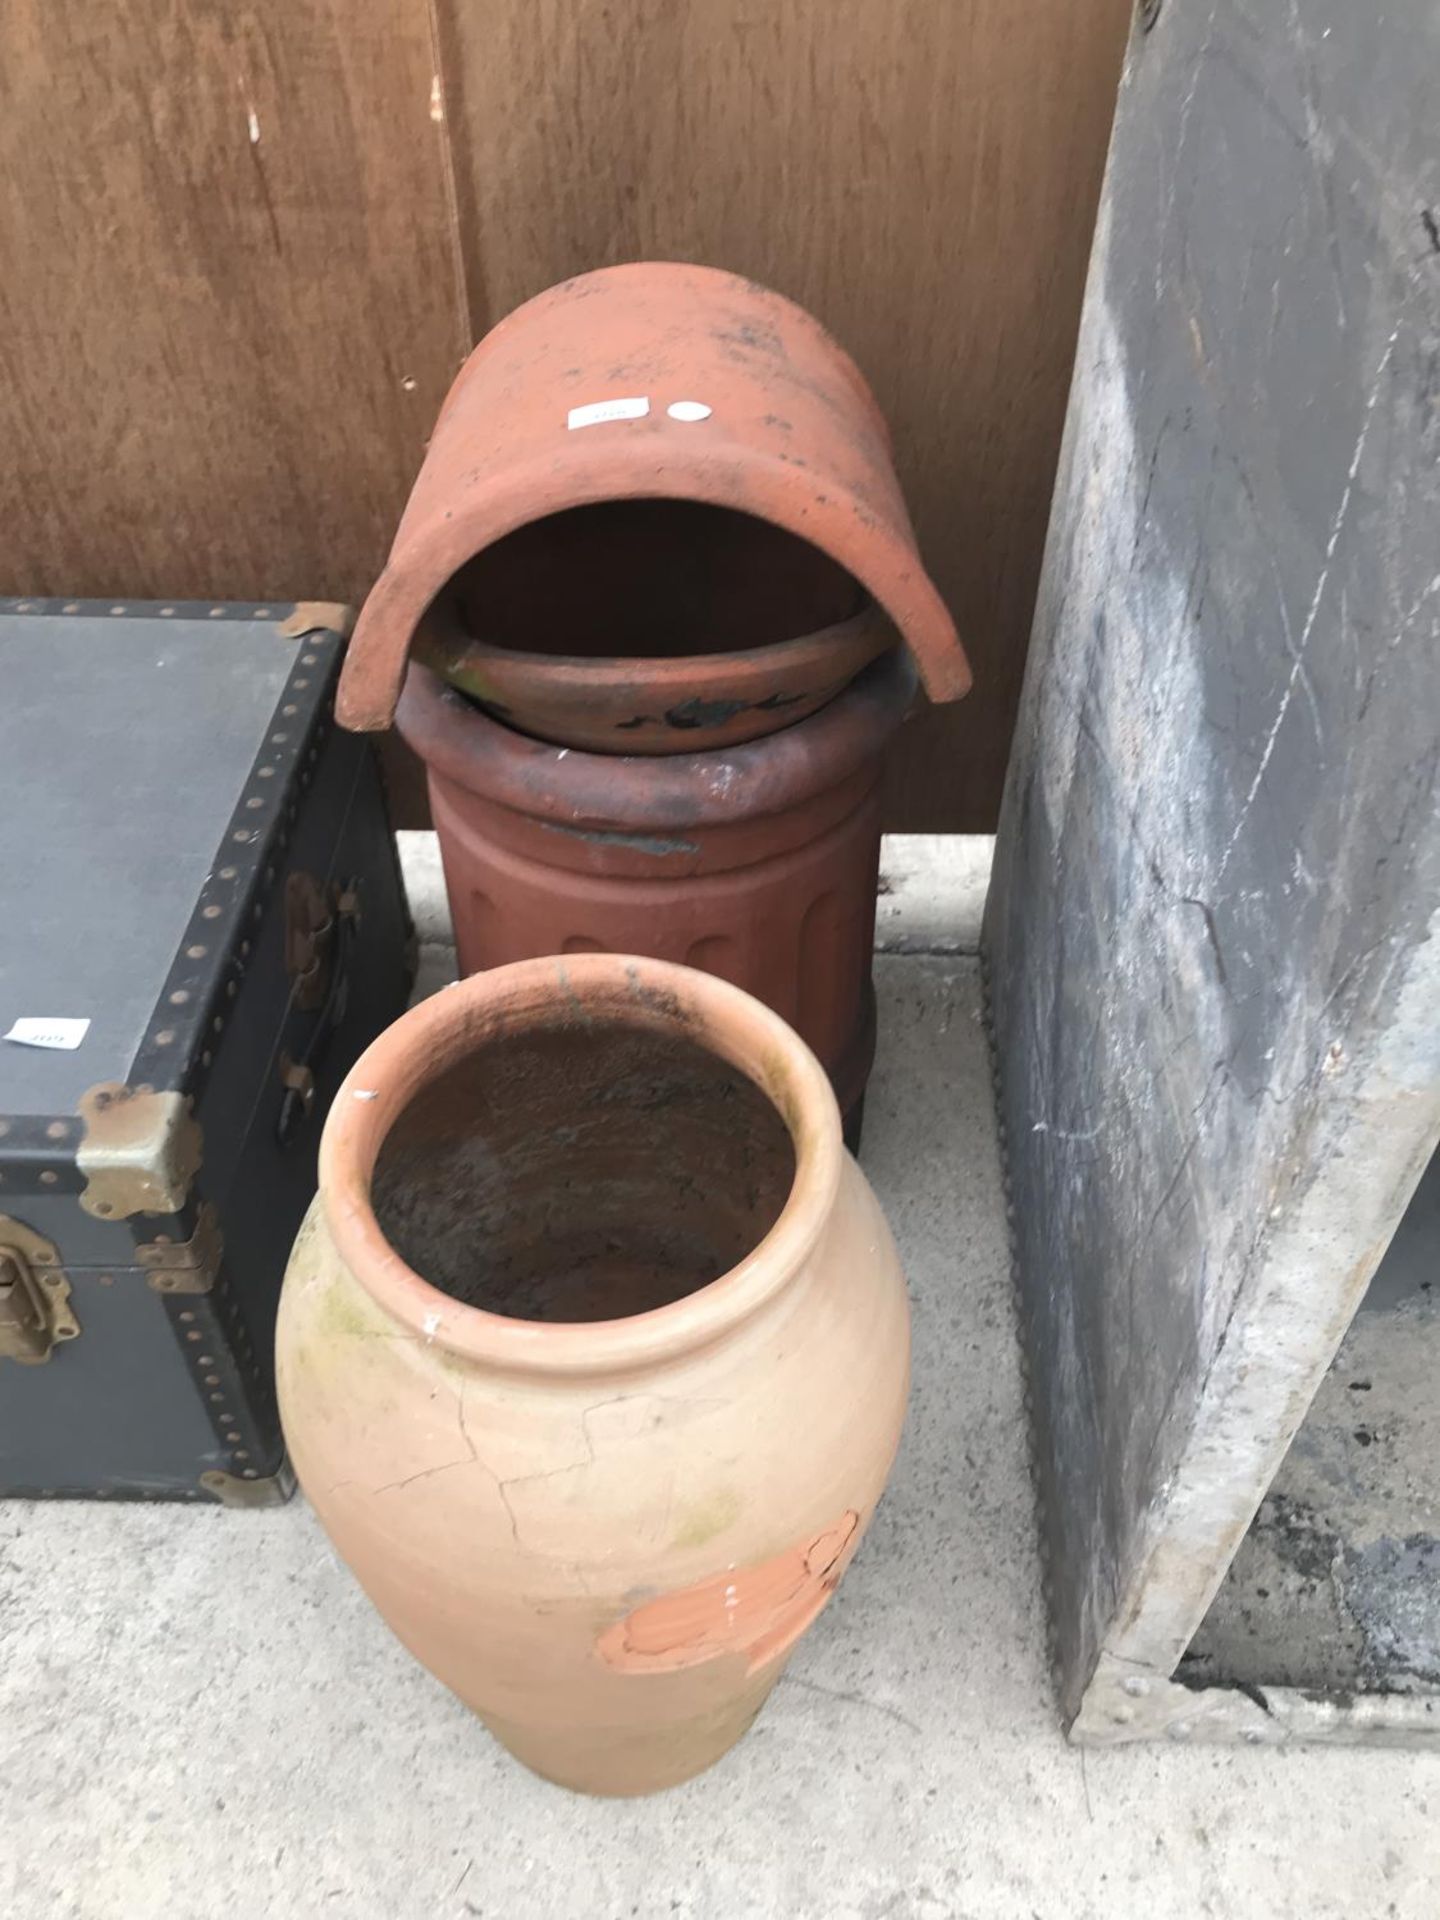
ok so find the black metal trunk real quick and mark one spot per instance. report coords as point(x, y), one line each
point(197, 865)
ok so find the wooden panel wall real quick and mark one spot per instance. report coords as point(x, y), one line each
point(229, 301)
point(243, 248)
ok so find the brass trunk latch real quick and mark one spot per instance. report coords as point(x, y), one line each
point(317, 918)
point(34, 1296)
point(321, 924)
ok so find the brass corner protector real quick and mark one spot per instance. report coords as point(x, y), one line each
point(185, 1266)
point(232, 1491)
point(139, 1151)
point(311, 616)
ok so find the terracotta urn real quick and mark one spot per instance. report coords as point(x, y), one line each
point(655, 463)
point(593, 1355)
point(758, 862)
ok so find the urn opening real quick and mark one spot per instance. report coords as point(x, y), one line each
point(576, 1170)
point(687, 1097)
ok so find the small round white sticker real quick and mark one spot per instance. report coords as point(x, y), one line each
point(688, 410)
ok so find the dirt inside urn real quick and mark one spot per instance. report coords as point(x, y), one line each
point(644, 579)
point(583, 1173)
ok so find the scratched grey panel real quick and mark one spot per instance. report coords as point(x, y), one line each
point(1219, 832)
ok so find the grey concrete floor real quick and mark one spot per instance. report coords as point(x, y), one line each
point(202, 1717)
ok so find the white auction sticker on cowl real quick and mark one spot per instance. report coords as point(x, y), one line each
point(36, 1030)
point(599, 411)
